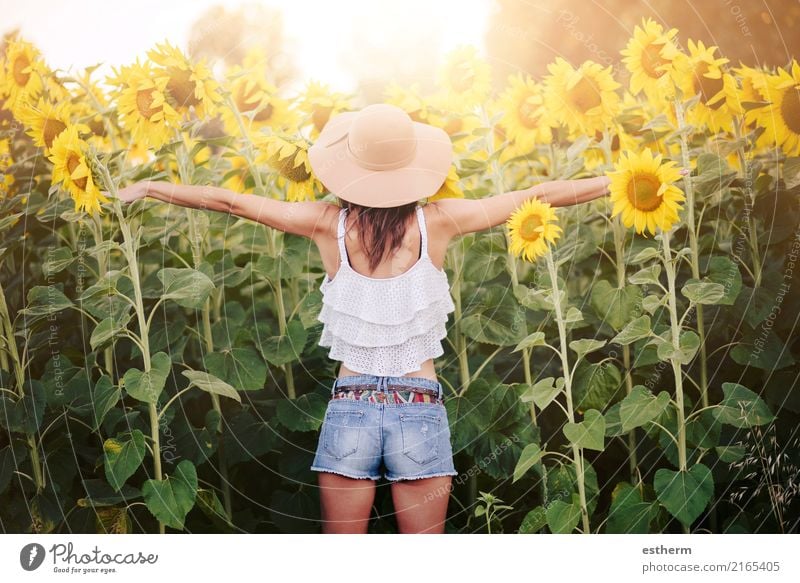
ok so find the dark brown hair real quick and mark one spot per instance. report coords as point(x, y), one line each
point(381, 229)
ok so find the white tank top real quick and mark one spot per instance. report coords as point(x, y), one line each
point(385, 326)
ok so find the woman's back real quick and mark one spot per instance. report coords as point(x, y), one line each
point(386, 326)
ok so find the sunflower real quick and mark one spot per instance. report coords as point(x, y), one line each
point(89, 107)
point(189, 84)
point(583, 99)
point(409, 99)
point(450, 187)
point(258, 100)
point(319, 103)
point(532, 226)
point(288, 155)
point(782, 118)
point(642, 191)
point(445, 112)
point(23, 72)
point(465, 77)
point(527, 122)
point(72, 171)
point(46, 120)
point(6, 178)
point(142, 101)
point(649, 56)
point(235, 178)
point(707, 75)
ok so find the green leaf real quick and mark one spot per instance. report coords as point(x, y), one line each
point(44, 300)
point(56, 261)
point(534, 521)
point(107, 329)
point(147, 386)
point(762, 350)
point(531, 455)
point(535, 339)
point(635, 330)
point(723, 271)
point(613, 305)
point(122, 456)
point(595, 386)
point(282, 349)
point(533, 298)
point(589, 433)
point(171, 500)
point(689, 344)
point(730, 453)
point(641, 407)
point(24, 415)
point(305, 413)
point(685, 494)
point(562, 518)
point(652, 302)
point(586, 345)
point(629, 514)
point(241, 367)
point(543, 392)
point(700, 292)
point(494, 317)
point(646, 254)
point(104, 397)
point(187, 287)
point(647, 276)
point(211, 384)
point(573, 315)
point(741, 407)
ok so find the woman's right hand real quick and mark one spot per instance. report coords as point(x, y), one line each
point(132, 192)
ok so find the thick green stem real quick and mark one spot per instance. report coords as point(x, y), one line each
point(577, 453)
point(695, 258)
point(197, 255)
point(669, 267)
point(619, 247)
point(19, 375)
point(129, 251)
point(750, 197)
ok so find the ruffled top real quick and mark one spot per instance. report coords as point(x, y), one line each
point(385, 326)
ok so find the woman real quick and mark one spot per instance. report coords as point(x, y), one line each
point(386, 302)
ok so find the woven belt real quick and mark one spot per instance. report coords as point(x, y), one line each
point(426, 390)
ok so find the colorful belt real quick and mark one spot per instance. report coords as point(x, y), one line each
point(416, 395)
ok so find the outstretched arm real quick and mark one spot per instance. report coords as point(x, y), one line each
point(460, 216)
point(306, 218)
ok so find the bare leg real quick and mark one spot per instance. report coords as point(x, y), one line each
point(421, 505)
point(346, 503)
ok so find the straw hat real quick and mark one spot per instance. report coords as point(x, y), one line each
point(380, 157)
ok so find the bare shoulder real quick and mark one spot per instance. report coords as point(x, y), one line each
point(454, 217)
point(327, 221)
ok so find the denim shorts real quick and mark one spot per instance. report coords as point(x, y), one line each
point(411, 439)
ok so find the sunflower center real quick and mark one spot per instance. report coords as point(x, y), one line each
point(527, 113)
point(20, 76)
point(585, 95)
point(73, 161)
point(790, 109)
point(287, 168)
point(181, 87)
point(453, 125)
point(643, 192)
point(527, 229)
point(51, 129)
point(144, 103)
point(246, 102)
point(652, 60)
point(708, 88)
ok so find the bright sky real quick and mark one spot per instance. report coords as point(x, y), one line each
point(84, 32)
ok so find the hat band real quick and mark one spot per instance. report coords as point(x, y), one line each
point(379, 165)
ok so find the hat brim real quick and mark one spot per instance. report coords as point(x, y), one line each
point(420, 178)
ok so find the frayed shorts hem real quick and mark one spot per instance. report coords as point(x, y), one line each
point(346, 475)
point(433, 475)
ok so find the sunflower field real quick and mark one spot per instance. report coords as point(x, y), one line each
point(628, 365)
